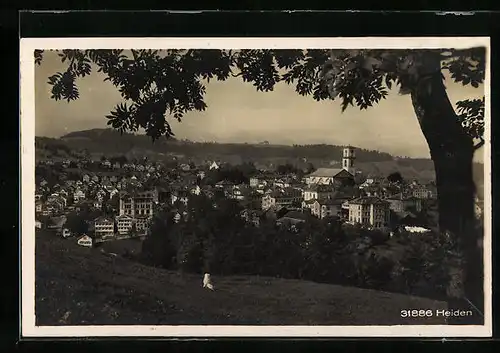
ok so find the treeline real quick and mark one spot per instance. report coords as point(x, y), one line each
point(214, 238)
point(54, 146)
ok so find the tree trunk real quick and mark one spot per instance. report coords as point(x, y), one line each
point(452, 151)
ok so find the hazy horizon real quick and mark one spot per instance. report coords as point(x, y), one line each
point(238, 113)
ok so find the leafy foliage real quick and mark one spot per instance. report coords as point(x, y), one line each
point(395, 177)
point(76, 223)
point(159, 83)
point(471, 116)
point(215, 237)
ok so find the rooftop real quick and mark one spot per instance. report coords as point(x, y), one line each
point(369, 200)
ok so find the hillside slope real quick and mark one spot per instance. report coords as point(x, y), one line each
point(80, 286)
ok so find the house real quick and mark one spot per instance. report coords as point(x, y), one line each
point(113, 192)
point(292, 218)
point(100, 195)
point(367, 183)
point(422, 192)
point(78, 196)
point(63, 193)
point(259, 182)
point(124, 223)
point(177, 217)
point(400, 203)
point(323, 208)
point(185, 167)
point(282, 198)
point(106, 184)
point(85, 240)
point(66, 233)
point(104, 227)
point(318, 191)
point(56, 198)
point(369, 211)
point(214, 166)
point(309, 204)
point(179, 196)
point(200, 174)
point(142, 224)
point(251, 216)
point(328, 208)
point(281, 183)
point(254, 182)
point(224, 184)
point(38, 206)
point(236, 193)
point(56, 224)
point(196, 190)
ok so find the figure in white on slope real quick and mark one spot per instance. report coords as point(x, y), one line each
point(207, 281)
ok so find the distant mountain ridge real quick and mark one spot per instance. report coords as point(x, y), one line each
point(111, 142)
point(103, 140)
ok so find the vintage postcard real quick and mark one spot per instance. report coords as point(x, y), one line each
point(256, 187)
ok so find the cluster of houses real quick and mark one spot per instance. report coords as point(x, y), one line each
point(138, 188)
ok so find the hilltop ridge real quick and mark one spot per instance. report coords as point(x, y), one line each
point(111, 142)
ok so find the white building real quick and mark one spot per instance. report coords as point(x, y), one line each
point(142, 224)
point(85, 240)
point(196, 190)
point(318, 191)
point(411, 229)
point(124, 224)
point(78, 196)
point(369, 211)
point(104, 227)
point(140, 204)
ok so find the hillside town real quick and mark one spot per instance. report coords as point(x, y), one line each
point(118, 199)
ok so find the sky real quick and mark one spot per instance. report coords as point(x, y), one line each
point(238, 113)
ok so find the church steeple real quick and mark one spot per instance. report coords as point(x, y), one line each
point(348, 157)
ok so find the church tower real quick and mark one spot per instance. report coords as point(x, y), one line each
point(348, 157)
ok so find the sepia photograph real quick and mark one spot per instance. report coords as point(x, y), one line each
point(284, 187)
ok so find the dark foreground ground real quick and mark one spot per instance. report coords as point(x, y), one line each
point(81, 286)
